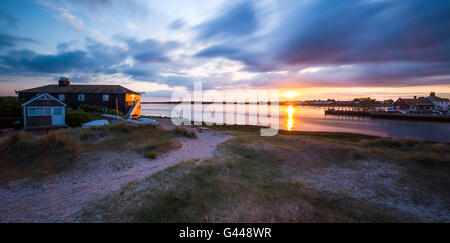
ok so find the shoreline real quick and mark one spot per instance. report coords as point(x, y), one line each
point(255, 128)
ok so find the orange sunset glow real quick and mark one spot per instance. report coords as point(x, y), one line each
point(290, 94)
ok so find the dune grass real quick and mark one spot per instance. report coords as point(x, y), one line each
point(256, 179)
point(365, 146)
point(26, 155)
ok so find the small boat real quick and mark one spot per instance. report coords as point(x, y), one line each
point(108, 116)
point(95, 123)
point(147, 121)
point(142, 120)
point(132, 121)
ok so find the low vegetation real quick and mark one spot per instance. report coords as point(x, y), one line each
point(185, 132)
point(10, 107)
point(151, 155)
point(87, 113)
point(293, 177)
point(27, 155)
point(76, 118)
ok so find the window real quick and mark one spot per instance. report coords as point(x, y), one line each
point(105, 97)
point(81, 97)
point(39, 111)
point(31, 111)
point(62, 97)
point(47, 111)
point(57, 111)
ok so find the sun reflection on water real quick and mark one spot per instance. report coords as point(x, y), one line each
point(290, 122)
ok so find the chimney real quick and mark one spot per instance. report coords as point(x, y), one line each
point(63, 82)
point(433, 94)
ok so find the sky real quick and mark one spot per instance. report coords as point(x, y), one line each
point(320, 48)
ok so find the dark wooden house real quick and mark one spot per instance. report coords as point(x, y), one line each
point(416, 104)
point(43, 111)
point(104, 96)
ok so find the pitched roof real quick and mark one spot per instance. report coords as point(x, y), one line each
point(43, 96)
point(439, 99)
point(418, 101)
point(82, 89)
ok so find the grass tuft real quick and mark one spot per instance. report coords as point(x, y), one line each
point(185, 132)
point(151, 155)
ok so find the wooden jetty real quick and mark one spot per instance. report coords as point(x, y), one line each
point(389, 115)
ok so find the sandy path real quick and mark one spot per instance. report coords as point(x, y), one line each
point(57, 199)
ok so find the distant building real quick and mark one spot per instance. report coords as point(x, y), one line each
point(44, 111)
point(365, 102)
point(316, 102)
point(388, 102)
point(104, 96)
point(416, 104)
point(440, 104)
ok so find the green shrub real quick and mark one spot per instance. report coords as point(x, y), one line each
point(76, 118)
point(91, 108)
point(114, 112)
point(151, 155)
point(10, 107)
point(100, 110)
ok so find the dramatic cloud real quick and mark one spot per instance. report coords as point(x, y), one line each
point(134, 6)
point(358, 31)
point(96, 58)
point(235, 22)
point(391, 41)
point(226, 44)
point(254, 60)
point(141, 74)
point(8, 18)
point(150, 50)
point(12, 41)
point(176, 24)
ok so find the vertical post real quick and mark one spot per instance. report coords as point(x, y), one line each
point(117, 107)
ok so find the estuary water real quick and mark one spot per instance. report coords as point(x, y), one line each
point(310, 118)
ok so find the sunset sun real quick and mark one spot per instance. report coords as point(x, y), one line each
point(290, 94)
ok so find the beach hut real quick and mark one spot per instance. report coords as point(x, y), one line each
point(44, 111)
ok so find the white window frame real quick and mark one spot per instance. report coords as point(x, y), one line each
point(105, 97)
point(55, 108)
point(50, 113)
point(29, 111)
point(81, 97)
point(62, 97)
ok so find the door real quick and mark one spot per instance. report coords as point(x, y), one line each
point(58, 116)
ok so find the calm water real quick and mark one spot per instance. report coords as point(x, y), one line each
point(307, 118)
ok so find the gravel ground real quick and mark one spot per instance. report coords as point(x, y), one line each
point(59, 198)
